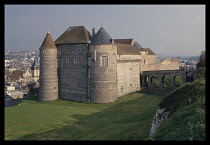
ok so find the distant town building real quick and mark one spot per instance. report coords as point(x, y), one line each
point(35, 69)
point(15, 94)
point(20, 75)
point(10, 88)
point(11, 68)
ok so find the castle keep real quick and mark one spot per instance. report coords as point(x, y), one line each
point(94, 67)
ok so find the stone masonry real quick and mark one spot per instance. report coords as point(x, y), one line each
point(94, 68)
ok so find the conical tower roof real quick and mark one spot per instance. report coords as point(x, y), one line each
point(101, 37)
point(48, 42)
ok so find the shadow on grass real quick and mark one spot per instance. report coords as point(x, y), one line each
point(33, 98)
point(128, 120)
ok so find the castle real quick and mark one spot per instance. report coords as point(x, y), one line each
point(96, 68)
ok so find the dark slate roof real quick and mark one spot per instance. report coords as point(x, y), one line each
point(123, 41)
point(11, 66)
point(48, 42)
point(150, 52)
point(138, 45)
point(76, 34)
point(123, 49)
point(101, 37)
point(24, 87)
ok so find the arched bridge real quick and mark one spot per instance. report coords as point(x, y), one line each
point(147, 77)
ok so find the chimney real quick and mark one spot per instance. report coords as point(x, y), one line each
point(93, 32)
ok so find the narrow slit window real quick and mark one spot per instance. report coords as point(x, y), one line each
point(104, 61)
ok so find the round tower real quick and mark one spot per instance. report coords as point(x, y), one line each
point(103, 71)
point(48, 90)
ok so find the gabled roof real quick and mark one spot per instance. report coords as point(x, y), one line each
point(123, 41)
point(123, 49)
point(150, 52)
point(101, 37)
point(17, 74)
point(76, 34)
point(48, 42)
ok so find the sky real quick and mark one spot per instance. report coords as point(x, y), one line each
point(169, 30)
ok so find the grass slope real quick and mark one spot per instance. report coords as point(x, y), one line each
point(187, 117)
point(129, 118)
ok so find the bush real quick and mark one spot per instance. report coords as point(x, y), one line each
point(201, 72)
point(187, 113)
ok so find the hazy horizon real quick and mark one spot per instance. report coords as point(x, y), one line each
point(169, 30)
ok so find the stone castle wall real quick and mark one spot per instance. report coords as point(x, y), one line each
point(128, 74)
point(48, 75)
point(72, 71)
point(143, 62)
point(166, 64)
point(103, 79)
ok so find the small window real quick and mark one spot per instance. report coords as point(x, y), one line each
point(104, 61)
point(43, 51)
point(76, 60)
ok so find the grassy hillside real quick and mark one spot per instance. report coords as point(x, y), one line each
point(187, 118)
point(129, 118)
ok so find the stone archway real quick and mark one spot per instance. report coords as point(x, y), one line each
point(146, 81)
point(166, 78)
point(166, 81)
point(154, 81)
point(177, 80)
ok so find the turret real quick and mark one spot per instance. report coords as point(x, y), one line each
point(48, 90)
point(103, 69)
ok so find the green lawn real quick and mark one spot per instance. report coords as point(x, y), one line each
point(129, 118)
